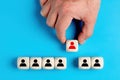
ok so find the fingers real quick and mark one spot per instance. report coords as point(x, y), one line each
point(51, 19)
point(62, 24)
point(87, 31)
point(42, 2)
point(45, 9)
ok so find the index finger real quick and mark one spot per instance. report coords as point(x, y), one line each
point(62, 24)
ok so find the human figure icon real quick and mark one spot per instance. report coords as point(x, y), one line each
point(23, 63)
point(84, 63)
point(96, 63)
point(72, 45)
point(35, 64)
point(60, 64)
point(48, 64)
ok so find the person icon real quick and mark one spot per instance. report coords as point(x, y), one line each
point(35, 64)
point(23, 63)
point(48, 63)
point(72, 45)
point(84, 63)
point(60, 64)
point(96, 63)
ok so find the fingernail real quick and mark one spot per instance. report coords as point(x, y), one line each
point(41, 3)
point(41, 13)
point(63, 40)
point(82, 42)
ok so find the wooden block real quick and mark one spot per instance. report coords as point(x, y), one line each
point(97, 62)
point(48, 63)
point(35, 63)
point(23, 63)
point(60, 63)
point(84, 62)
point(72, 46)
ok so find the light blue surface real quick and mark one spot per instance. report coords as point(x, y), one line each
point(23, 32)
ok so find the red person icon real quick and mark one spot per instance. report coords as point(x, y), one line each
point(72, 45)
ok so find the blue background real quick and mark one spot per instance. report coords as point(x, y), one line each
point(23, 32)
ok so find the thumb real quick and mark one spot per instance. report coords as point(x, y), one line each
point(86, 32)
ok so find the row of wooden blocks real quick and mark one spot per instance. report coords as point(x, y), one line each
point(91, 62)
point(39, 63)
point(58, 63)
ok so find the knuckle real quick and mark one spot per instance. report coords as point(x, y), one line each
point(66, 8)
point(58, 1)
point(65, 4)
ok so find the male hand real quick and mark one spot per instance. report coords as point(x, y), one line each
point(59, 14)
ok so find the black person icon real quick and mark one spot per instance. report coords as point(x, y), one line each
point(96, 63)
point(60, 64)
point(23, 63)
point(84, 63)
point(35, 64)
point(48, 64)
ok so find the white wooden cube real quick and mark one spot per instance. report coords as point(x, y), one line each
point(71, 45)
point(97, 62)
point(35, 63)
point(48, 63)
point(60, 63)
point(23, 62)
point(84, 62)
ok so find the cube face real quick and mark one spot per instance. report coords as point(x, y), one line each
point(35, 63)
point(72, 46)
point(97, 62)
point(48, 63)
point(23, 62)
point(84, 62)
point(60, 63)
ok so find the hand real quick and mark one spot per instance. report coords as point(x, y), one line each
point(59, 14)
